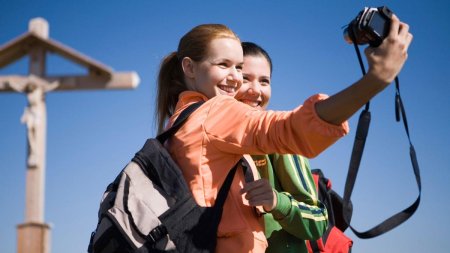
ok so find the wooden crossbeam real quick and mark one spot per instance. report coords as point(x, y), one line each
point(21, 46)
point(118, 80)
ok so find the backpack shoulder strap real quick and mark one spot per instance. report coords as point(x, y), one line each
point(178, 122)
point(145, 157)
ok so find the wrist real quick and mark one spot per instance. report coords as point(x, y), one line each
point(283, 207)
point(377, 81)
point(269, 209)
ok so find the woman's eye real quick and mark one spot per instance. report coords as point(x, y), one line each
point(265, 82)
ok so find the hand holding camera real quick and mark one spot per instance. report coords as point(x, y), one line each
point(388, 37)
point(389, 40)
point(386, 60)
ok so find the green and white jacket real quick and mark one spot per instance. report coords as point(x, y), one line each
point(299, 215)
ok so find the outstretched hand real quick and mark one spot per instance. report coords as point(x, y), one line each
point(386, 61)
point(260, 193)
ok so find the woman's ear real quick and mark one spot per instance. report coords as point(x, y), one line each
point(188, 67)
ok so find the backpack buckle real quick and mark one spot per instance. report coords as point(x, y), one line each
point(157, 233)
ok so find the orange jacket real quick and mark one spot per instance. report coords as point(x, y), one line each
point(217, 135)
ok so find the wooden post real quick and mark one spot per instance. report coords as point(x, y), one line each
point(34, 234)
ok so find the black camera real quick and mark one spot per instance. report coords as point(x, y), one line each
point(371, 26)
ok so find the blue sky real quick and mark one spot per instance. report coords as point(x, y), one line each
point(91, 135)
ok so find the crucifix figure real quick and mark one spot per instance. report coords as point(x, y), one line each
point(31, 118)
point(33, 114)
point(34, 234)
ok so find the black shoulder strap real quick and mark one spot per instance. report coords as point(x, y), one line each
point(248, 175)
point(178, 122)
point(145, 157)
point(160, 231)
point(223, 191)
point(355, 160)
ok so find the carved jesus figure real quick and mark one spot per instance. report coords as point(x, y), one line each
point(32, 119)
point(35, 88)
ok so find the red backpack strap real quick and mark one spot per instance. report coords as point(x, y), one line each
point(333, 240)
point(318, 245)
point(316, 180)
point(315, 246)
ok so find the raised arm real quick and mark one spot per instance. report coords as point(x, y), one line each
point(385, 62)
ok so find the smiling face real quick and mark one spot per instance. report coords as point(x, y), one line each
point(255, 90)
point(219, 72)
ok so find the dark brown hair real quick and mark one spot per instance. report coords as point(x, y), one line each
point(253, 49)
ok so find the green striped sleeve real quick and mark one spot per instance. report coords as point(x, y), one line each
point(298, 210)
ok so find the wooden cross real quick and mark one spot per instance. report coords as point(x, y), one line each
point(34, 234)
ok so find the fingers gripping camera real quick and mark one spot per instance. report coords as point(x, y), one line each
point(370, 26)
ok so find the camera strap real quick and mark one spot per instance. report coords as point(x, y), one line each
point(355, 160)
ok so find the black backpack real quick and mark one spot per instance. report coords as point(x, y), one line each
point(149, 207)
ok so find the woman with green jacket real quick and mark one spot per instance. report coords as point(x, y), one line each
point(298, 215)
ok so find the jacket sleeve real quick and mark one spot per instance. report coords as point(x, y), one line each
point(246, 130)
point(298, 210)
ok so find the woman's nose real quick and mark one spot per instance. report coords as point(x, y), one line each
point(254, 88)
point(235, 73)
point(236, 76)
